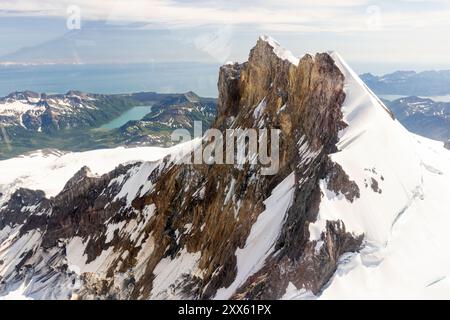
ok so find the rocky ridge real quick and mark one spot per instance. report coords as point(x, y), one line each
point(166, 230)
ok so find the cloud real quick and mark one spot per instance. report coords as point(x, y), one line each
point(185, 12)
point(280, 15)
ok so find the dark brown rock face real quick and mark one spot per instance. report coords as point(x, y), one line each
point(209, 210)
point(20, 206)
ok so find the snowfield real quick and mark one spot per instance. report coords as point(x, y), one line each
point(404, 220)
point(49, 170)
point(17, 108)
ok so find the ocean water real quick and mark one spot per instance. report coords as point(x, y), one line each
point(112, 78)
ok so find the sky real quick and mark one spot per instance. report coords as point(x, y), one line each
point(376, 36)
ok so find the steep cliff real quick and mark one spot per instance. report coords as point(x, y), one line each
point(165, 229)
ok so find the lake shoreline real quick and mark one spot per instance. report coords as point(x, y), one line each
point(133, 114)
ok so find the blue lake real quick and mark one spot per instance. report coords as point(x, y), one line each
point(136, 113)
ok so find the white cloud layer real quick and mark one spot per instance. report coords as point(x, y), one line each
point(393, 33)
point(277, 15)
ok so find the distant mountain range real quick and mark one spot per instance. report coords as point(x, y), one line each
point(419, 115)
point(72, 121)
point(170, 113)
point(410, 83)
point(423, 116)
point(53, 112)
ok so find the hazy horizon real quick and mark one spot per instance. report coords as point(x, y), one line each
point(373, 36)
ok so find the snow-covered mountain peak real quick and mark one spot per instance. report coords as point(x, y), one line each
point(372, 147)
point(360, 99)
point(404, 181)
point(281, 52)
point(353, 210)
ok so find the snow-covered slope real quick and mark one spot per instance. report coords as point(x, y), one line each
point(263, 235)
point(404, 208)
point(49, 170)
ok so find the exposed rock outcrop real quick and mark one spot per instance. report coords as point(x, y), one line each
point(143, 223)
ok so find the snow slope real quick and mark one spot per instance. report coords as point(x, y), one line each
point(404, 216)
point(263, 235)
point(17, 108)
point(280, 51)
point(49, 170)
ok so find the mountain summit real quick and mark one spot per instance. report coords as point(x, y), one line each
point(351, 213)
